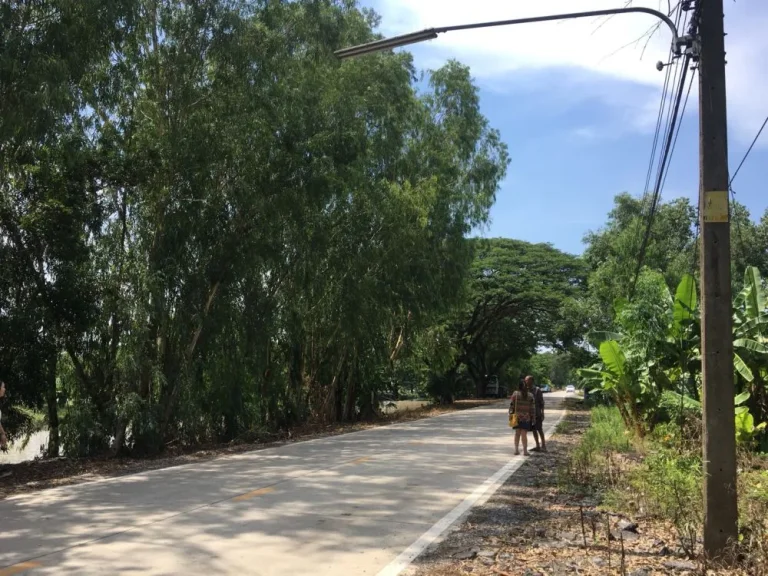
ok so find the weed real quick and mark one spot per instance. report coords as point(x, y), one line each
point(752, 548)
point(564, 427)
point(594, 461)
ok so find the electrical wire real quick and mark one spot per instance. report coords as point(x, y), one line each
point(665, 97)
point(748, 151)
point(740, 235)
point(670, 139)
point(680, 124)
point(661, 172)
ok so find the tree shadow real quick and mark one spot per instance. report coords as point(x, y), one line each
point(355, 500)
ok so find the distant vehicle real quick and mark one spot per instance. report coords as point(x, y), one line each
point(546, 388)
point(570, 389)
point(494, 389)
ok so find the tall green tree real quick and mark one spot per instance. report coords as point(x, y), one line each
point(515, 294)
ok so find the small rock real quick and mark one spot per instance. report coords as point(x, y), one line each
point(665, 551)
point(680, 566)
point(641, 572)
point(626, 536)
point(567, 536)
point(627, 526)
point(487, 553)
point(599, 562)
point(540, 533)
point(555, 544)
point(466, 554)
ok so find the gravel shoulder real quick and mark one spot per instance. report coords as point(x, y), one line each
point(532, 526)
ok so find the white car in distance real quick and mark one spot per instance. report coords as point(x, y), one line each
point(570, 389)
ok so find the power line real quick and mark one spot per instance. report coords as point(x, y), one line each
point(665, 97)
point(733, 192)
point(670, 137)
point(680, 124)
point(661, 172)
point(748, 151)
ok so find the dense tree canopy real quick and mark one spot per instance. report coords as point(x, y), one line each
point(211, 226)
point(515, 296)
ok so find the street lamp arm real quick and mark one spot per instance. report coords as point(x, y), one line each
point(431, 33)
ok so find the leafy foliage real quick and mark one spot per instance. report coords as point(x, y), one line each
point(210, 226)
point(513, 305)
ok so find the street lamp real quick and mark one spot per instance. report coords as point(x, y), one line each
point(431, 33)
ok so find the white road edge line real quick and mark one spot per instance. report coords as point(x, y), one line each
point(480, 495)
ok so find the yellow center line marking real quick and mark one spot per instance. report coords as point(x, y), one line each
point(247, 496)
point(361, 460)
point(19, 568)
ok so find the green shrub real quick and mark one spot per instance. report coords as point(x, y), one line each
point(607, 431)
point(81, 434)
point(666, 485)
point(593, 462)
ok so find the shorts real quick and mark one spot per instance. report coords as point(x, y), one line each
point(538, 426)
point(527, 426)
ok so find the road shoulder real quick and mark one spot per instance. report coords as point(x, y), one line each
point(505, 535)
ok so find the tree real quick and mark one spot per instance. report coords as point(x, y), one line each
point(516, 291)
point(220, 229)
point(49, 183)
point(612, 252)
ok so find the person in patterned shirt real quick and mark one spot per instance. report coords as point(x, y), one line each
point(522, 404)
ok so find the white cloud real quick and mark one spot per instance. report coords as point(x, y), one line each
point(585, 133)
point(589, 47)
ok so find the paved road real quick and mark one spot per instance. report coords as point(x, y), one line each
point(361, 503)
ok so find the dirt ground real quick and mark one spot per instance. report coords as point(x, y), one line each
point(47, 473)
point(533, 527)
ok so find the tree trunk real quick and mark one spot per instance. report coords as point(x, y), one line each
point(351, 393)
point(53, 408)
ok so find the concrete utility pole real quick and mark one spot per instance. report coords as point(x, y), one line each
point(719, 444)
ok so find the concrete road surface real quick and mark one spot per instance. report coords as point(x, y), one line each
point(360, 503)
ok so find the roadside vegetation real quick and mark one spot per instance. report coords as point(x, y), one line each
point(211, 229)
point(642, 454)
point(214, 232)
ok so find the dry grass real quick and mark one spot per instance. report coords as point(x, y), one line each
point(539, 524)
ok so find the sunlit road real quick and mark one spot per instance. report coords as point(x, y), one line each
point(361, 503)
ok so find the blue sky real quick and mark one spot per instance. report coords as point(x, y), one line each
point(579, 118)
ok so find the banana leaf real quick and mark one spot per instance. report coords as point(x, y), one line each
point(755, 298)
point(742, 368)
point(751, 345)
point(685, 303)
point(613, 357)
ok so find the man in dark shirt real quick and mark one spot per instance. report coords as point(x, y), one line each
point(538, 424)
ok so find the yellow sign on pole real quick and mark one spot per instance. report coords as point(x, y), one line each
point(716, 206)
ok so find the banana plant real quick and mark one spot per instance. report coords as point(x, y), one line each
point(624, 377)
point(746, 430)
point(750, 318)
point(745, 422)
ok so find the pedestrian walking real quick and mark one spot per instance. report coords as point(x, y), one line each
point(538, 420)
point(522, 413)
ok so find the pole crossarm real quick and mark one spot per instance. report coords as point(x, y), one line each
point(431, 33)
